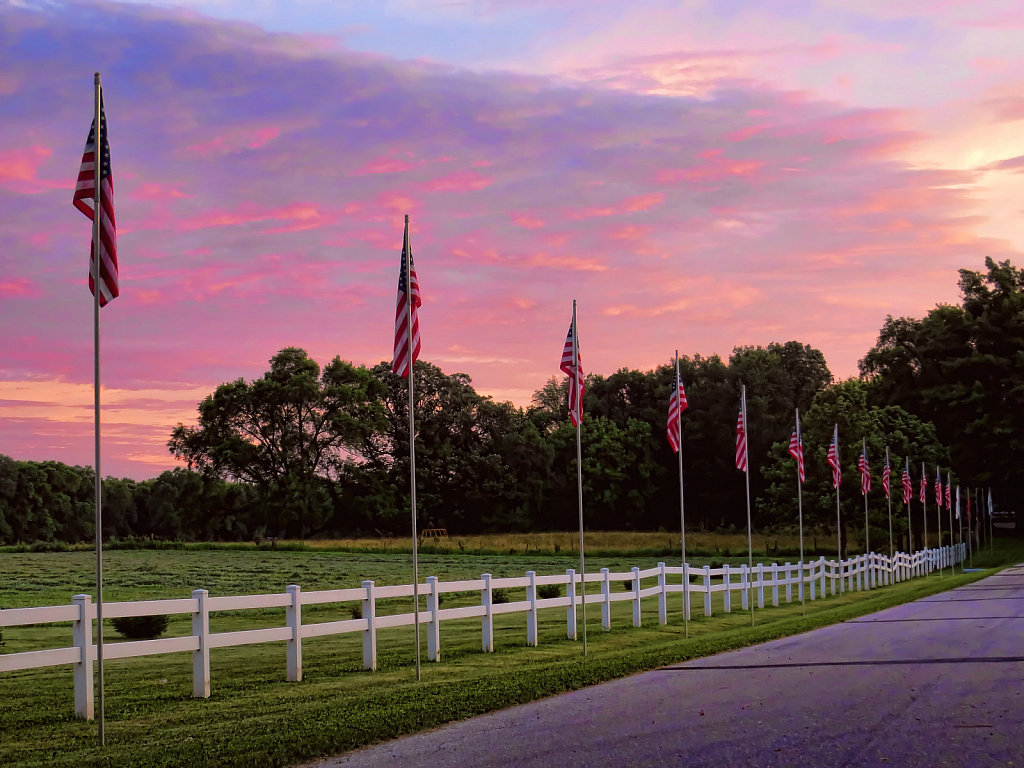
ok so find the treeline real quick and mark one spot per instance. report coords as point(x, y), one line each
point(308, 451)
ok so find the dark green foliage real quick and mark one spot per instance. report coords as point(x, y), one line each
point(356, 610)
point(500, 596)
point(141, 627)
point(548, 591)
point(961, 368)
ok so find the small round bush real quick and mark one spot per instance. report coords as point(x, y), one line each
point(141, 627)
point(499, 596)
point(548, 591)
point(356, 610)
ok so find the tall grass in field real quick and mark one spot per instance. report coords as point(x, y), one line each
point(698, 543)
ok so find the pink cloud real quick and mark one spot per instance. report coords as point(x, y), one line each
point(528, 222)
point(643, 202)
point(463, 181)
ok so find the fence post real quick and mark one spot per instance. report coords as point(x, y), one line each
point(727, 592)
point(686, 591)
point(745, 579)
point(81, 632)
point(570, 614)
point(201, 657)
point(662, 596)
point(760, 585)
point(707, 590)
point(606, 606)
point(487, 620)
point(822, 590)
point(810, 580)
point(636, 596)
point(775, 584)
point(370, 634)
point(293, 617)
point(531, 612)
point(434, 628)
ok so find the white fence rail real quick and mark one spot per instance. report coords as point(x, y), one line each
point(787, 582)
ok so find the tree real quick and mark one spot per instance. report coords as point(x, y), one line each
point(961, 368)
point(846, 404)
point(289, 433)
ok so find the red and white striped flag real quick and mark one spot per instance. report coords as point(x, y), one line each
point(865, 473)
point(741, 441)
point(575, 374)
point(938, 487)
point(949, 489)
point(796, 450)
point(833, 459)
point(85, 189)
point(886, 474)
point(401, 362)
point(924, 483)
point(908, 486)
point(676, 405)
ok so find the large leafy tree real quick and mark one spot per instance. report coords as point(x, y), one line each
point(846, 404)
point(289, 433)
point(962, 368)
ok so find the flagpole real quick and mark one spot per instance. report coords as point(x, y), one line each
point(952, 540)
point(407, 247)
point(96, 234)
point(888, 495)
point(579, 466)
point(991, 532)
point(750, 536)
point(839, 521)
point(924, 514)
point(800, 508)
point(682, 504)
point(970, 530)
point(867, 533)
point(960, 525)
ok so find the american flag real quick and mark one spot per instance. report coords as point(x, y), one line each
point(575, 374)
point(924, 483)
point(401, 363)
point(85, 189)
point(886, 474)
point(833, 459)
point(865, 473)
point(741, 442)
point(796, 450)
point(938, 488)
point(676, 405)
point(958, 502)
point(949, 489)
point(908, 486)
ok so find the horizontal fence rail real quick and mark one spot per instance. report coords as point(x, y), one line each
point(818, 578)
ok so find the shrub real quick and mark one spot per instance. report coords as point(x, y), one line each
point(1, 637)
point(141, 627)
point(356, 610)
point(548, 591)
point(499, 596)
point(628, 585)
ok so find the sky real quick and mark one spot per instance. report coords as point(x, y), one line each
point(698, 175)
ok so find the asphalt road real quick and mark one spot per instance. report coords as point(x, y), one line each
point(938, 682)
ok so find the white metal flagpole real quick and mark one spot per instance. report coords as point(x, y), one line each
point(682, 506)
point(750, 536)
point(839, 522)
point(952, 538)
point(407, 247)
point(579, 466)
point(867, 532)
point(889, 496)
point(96, 241)
point(800, 508)
point(924, 511)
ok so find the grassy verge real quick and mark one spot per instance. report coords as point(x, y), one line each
point(255, 718)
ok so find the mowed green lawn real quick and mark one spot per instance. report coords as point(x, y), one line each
point(256, 718)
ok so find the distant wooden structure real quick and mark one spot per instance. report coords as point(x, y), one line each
point(434, 533)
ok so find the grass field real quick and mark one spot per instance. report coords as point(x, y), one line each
point(256, 718)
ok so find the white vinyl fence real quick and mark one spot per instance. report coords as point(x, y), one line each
point(862, 572)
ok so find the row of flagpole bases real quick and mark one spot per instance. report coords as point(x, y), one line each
point(95, 183)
